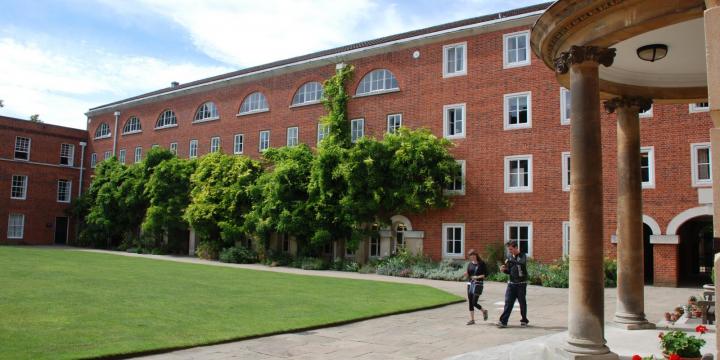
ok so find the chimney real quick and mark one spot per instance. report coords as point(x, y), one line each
point(174, 84)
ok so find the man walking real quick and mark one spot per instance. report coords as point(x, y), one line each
point(515, 266)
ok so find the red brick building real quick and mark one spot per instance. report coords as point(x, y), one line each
point(40, 172)
point(475, 82)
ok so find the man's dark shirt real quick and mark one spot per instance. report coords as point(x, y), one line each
point(516, 267)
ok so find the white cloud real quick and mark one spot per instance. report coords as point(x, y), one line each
point(62, 85)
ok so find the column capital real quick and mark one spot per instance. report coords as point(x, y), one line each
point(579, 54)
point(643, 104)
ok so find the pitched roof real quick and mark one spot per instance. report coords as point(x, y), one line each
point(342, 49)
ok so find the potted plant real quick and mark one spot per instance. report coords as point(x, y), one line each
point(677, 345)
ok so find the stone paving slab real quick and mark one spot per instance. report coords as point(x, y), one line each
point(428, 334)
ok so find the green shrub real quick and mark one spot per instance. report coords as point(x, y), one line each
point(494, 254)
point(498, 276)
point(238, 255)
point(351, 266)
point(368, 268)
point(207, 250)
point(610, 266)
point(309, 263)
point(278, 258)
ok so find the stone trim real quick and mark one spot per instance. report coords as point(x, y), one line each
point(643, 104)
point(665, 239)
point(580, 54)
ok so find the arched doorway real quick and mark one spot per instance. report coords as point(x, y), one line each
point(695, 251)
point(648, 254)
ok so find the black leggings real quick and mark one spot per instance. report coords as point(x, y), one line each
point(473, 296)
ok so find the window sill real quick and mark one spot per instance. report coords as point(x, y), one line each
point(14, 238)
point(454, 192)
point(206, 120)
point(253, 112)
point(455, 137)
point(455, 74)
point(515, 65)
point(453, 256)
point(132, 132)
point(63, 202)
point(565, 122)
point(12, 198)
point(310, 103)
point(518, 191)
point(166, 127)
point(102, 137)
point(517, 127)
point(702, 184)
point(376, 93)
point(648, 186)
point(16, 159)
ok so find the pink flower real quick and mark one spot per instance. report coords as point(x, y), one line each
point(701, 329)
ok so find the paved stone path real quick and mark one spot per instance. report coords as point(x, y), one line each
point(429, 334)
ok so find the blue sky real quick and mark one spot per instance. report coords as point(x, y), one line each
point(60, 58)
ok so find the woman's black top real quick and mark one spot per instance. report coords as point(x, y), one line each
point(476, 269)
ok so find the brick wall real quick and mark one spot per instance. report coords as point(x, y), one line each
point(665, 258)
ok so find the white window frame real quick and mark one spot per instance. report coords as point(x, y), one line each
point(255, 105)
point(67, 151)
point(446, 49)
point(304, 91)
point(506, 110)
point(566, 238)
point(357, 134)
point(696, 182)
point(121, 156)
point(26, 151)
point(128, 129)
point(138, 154)
point(693, 108)
point(446, 128)
point(293, 140)
point(193, 149)
point(506, 63)
point(529, 225)
point(207, 111)
point(237, 144)
point(102, 136)
point(173, 148)
point(323, 131)
point(392, 126)
point(24, 187)
point(647, 114)
point(519, 189)
point(387, 75)
point(93, 160)
point(651, 163)
point(565, 156)
point(107, 155)
point(445, 226)
point(166, 119)
point(462, 174)
point(215, 145)
point(69, 190)
point(564, 118)
point(370, 247)
point(22, 226)
point(266, 141)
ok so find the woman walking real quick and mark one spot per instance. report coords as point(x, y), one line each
point(476, 272)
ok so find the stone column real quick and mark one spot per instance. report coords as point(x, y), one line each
point(712, 60)
point(630, 309)
point(586, 320)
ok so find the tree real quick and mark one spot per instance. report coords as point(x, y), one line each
point(280, 195)
point(220, 197)
point(35, 118)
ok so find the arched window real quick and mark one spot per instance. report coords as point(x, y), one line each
point(103, 131)
point(167, 118)
point(309, 93)
point(132, 125)
point(206, 111)
point(254, 102)
point(377, 81)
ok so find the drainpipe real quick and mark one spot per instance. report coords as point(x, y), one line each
point(117, 117)
point(82, 162)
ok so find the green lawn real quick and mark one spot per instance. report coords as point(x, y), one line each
point(57, 304)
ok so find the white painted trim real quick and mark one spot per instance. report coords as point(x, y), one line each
point(57, 196)
point(566, 238)
point(694, 147)
point(506, 174)
point(212, 144)
point(445, 121)
point(39, 163)
point(260, 149)
point(647, 114)
point(166, 126)
point(362, 129)
point(242, 144)
point(686, 215)
point(651, 164)
point(527, 224)
point(190, 149)
point(403, 219)
point(388, 121)
point(307, 103)
point(327, 57)
point(25, 187)
point(693, 108)
point(508, 65)
point(297, 136)
point(28, 148)
point(377, 92)
point(252, 112)
point(506, 109)
point(445, 254)
point(563, 104)
point(664, 239)
point(462, 72)
point(654, 226)
point(23, 227)
point(214, 118)
point(319, 131)
point(564, 157)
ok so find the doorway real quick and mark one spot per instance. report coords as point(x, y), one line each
point(648, 255)
point(696, 251)
point(61, 230)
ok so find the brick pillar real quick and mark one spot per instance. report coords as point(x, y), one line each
point(665, 264)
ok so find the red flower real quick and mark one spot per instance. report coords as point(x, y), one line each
point(674, 357)
point(701, 329)
point(636, 357)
